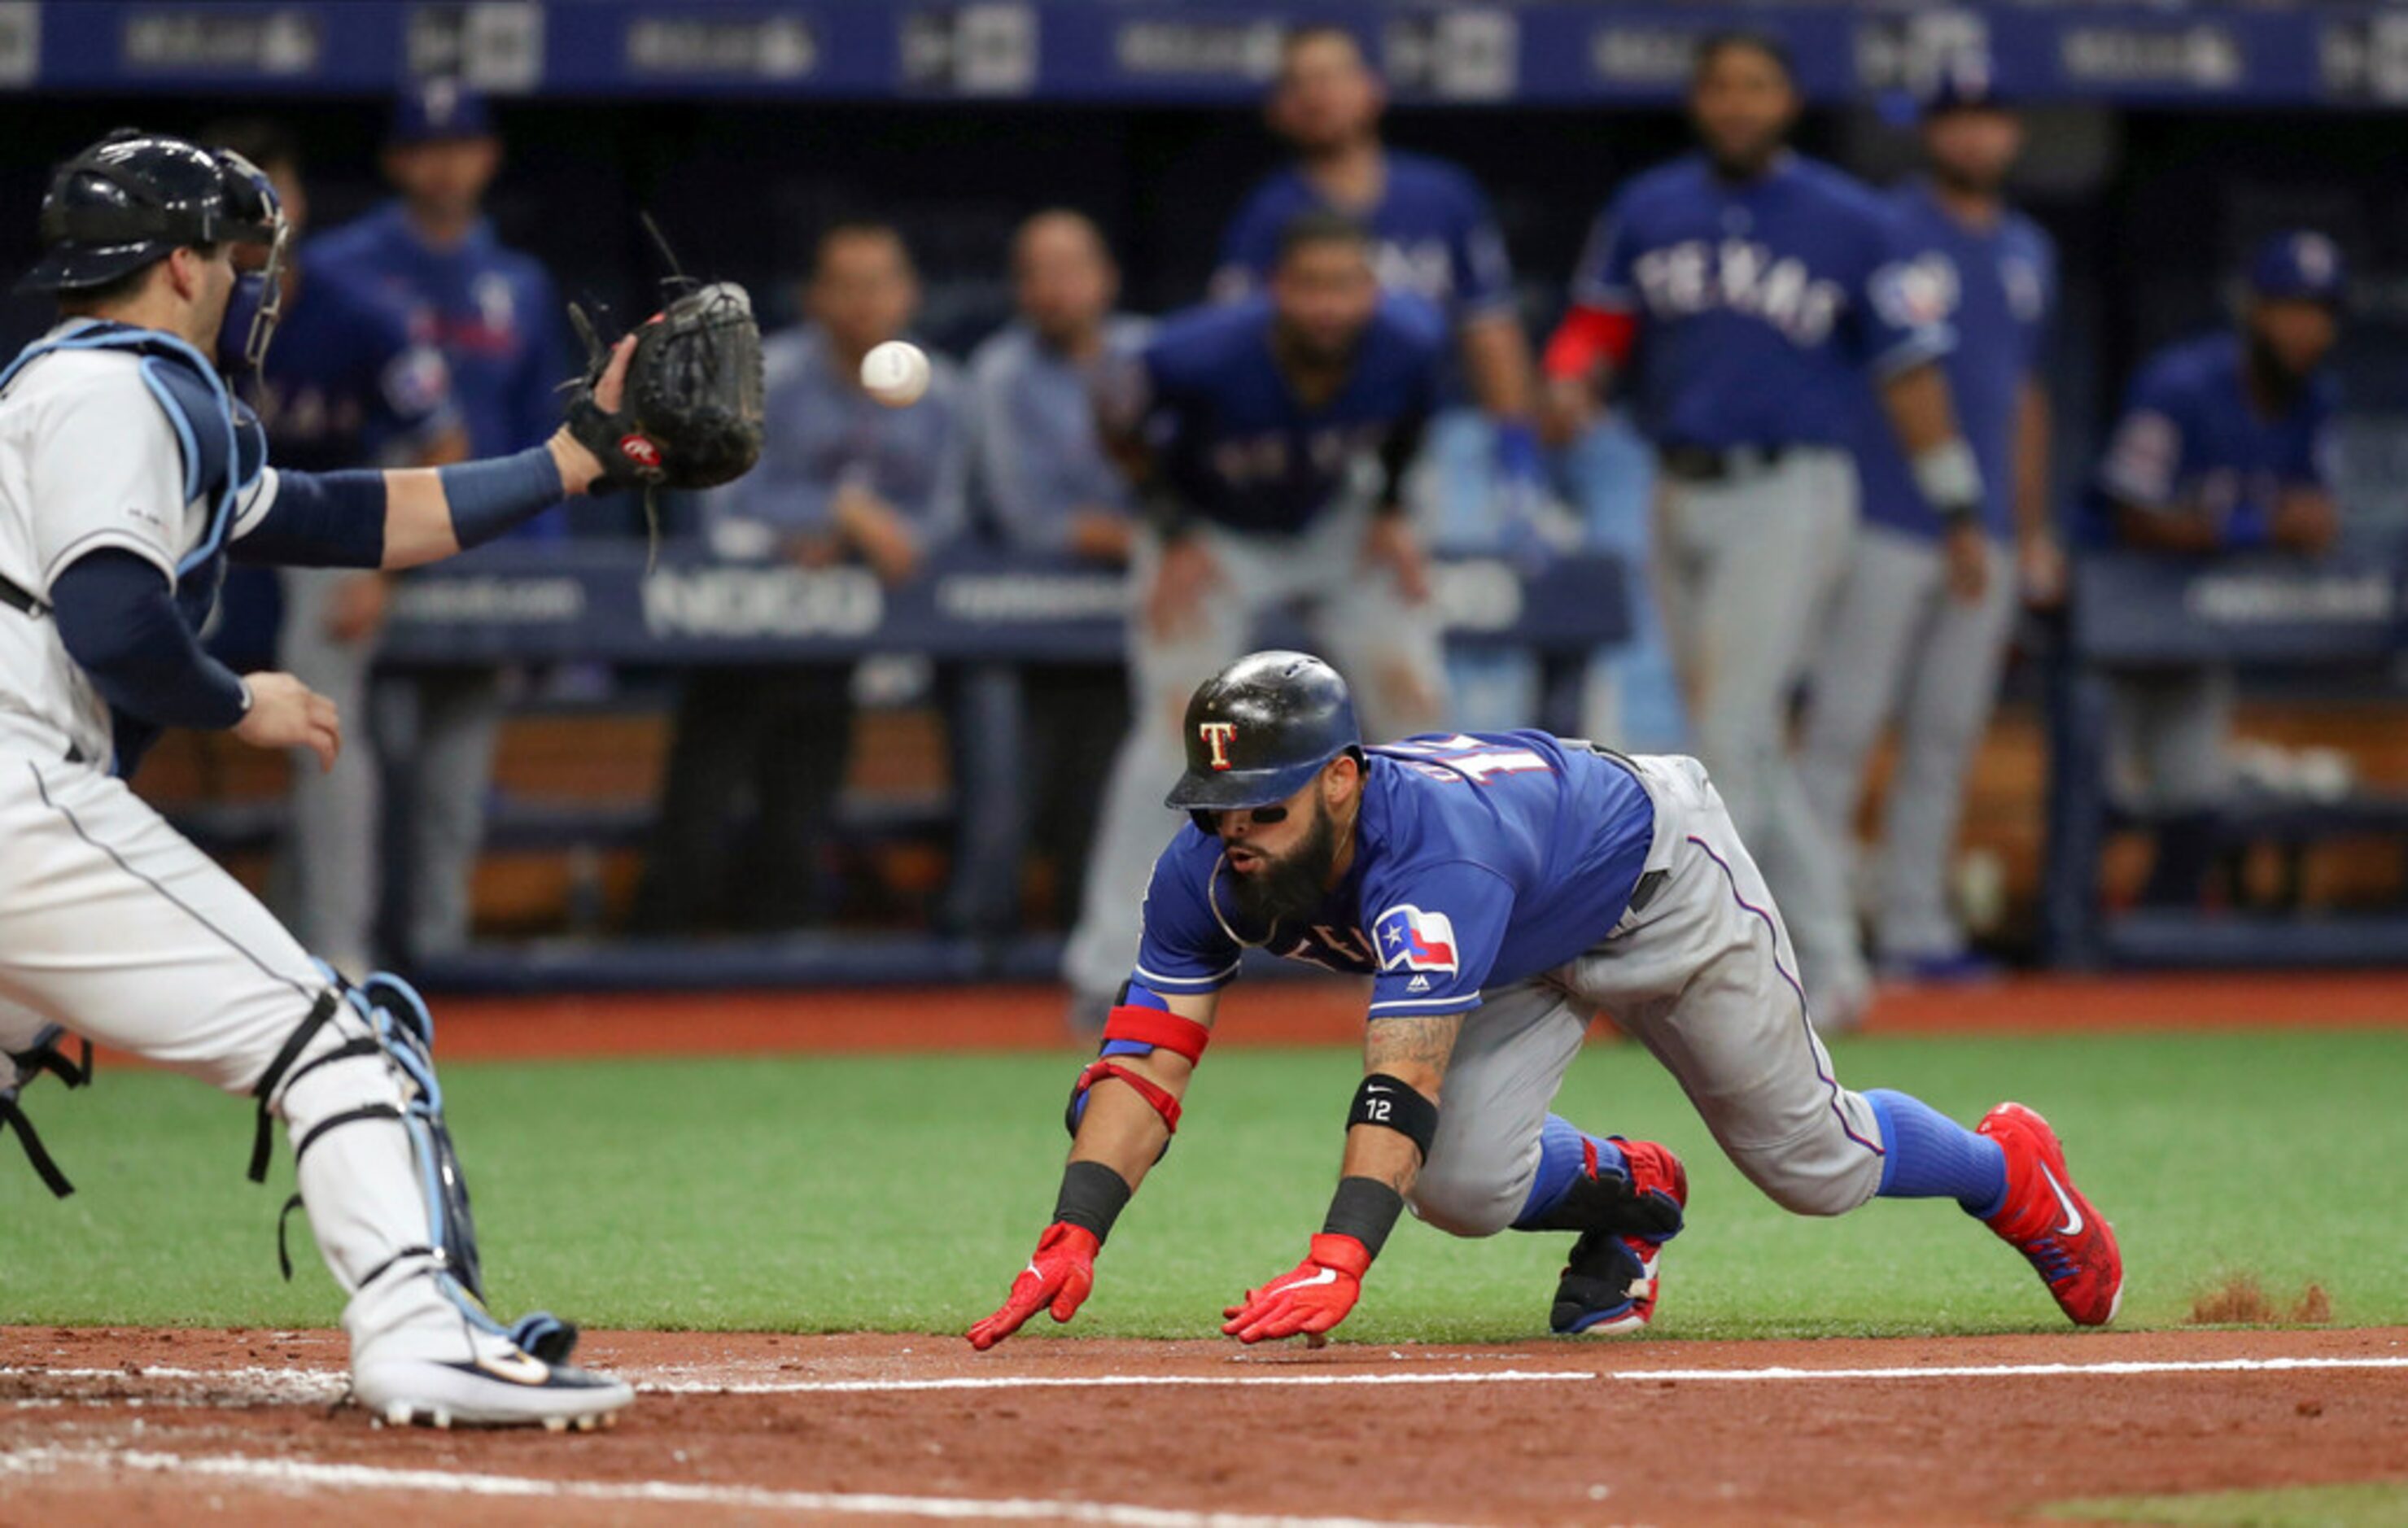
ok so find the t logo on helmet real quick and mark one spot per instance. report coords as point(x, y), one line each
point(1216, 737)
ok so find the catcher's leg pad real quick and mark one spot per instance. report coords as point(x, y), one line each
point(366, 1056)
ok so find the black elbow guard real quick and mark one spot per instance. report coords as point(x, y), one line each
point(1393, 1104)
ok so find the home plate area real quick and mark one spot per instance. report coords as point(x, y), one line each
point(116, 1425)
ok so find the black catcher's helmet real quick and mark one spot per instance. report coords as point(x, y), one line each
point(1258, 731)
point(133, 196)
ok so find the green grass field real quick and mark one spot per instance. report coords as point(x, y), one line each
point(819, 1194)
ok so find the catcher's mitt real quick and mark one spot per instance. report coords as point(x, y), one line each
point(690, 415)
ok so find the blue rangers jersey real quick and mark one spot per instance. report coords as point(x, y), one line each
point(1480, 860)
point(489, 310)
point(2190, 438)
point(1233, 441)
point(1432, 234)
point(1995, 287)
point(1760, 305)
point(348, 383)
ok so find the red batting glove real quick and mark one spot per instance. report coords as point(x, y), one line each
point(1314, 1298)
point(1061, 1274)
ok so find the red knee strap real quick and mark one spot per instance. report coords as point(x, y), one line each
point(1151, 1026)
point(1147, 1089)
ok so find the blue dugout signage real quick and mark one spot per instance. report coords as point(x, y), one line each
point(1188, 51)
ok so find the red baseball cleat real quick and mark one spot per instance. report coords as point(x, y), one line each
point(2046, 1218)
point(1610, 1285)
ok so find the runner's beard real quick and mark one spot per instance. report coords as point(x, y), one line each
point(1290, 887)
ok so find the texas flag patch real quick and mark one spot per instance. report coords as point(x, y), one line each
point(1410, 939)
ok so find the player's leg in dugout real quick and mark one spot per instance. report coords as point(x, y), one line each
point(1951, 686)
point(201, 979)
point(1764, 555)
point(451, 772)
point(1884, 606)
point(1165, 668)
point(2168, 735)
point(1392, 652)
point(1705, 977)
point(332, 862)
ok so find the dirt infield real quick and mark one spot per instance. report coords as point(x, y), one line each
point(110, 1426)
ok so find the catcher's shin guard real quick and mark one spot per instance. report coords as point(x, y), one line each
point(381, 1200)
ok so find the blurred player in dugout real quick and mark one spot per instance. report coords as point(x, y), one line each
point(1905, 641)
point(1431, 229)
point(349, 383)
point(1044, 484)
point(492, 314)
point(842, 478)
point(1267, 437)
point(1750, 294)
point(2223, 446)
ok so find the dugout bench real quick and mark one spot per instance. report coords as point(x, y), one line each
point(981, 612)
point(2337, 627)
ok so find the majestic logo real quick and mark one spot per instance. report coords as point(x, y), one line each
point(1410, 939)
point(1216, 738)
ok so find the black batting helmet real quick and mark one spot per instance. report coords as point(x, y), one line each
point(1258, 731)
point(134, 197)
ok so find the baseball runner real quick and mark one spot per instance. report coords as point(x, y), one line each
point(1498, 889)
point(129, 476)
point(1901, 640)
point(1749, 292)
point(2224, 444)
point(1267, 437)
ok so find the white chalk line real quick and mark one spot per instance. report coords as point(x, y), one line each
point(290, 1474)
point(305, 1386)
point(2024, 1371)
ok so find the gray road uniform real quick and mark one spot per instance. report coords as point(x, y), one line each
point(1899, 644)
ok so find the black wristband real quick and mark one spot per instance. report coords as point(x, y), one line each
point(1093, 1196)
point(1366, 1209)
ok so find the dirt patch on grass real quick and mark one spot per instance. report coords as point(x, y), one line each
point(2241, 1300)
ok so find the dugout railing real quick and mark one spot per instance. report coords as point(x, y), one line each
point(2336, 627)
point(980, 613)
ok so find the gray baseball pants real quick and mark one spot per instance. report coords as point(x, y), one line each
point(1899, 645)
point(1746, 569)
point(1702, 973)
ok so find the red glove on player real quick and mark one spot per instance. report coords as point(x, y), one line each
point(1314, 1298)
point(1061, 1273)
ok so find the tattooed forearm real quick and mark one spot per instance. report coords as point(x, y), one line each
point(1414, 1050)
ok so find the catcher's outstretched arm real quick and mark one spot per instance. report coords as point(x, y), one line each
point(407, 516)
point(432, 513)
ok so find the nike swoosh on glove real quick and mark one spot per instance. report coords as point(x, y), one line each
point(1061, 1274)
point(1314, 1298)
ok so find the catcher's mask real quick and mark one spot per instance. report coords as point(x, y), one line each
point(135, 197)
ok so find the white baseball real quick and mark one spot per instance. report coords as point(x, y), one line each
point(895, 373)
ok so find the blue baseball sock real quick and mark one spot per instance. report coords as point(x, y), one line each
point(1930, 1156)
point(1563, 1153)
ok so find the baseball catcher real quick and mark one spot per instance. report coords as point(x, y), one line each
point(1498, 889)
point(130, 476)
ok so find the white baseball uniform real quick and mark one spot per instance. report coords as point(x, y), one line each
point(115, 926)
